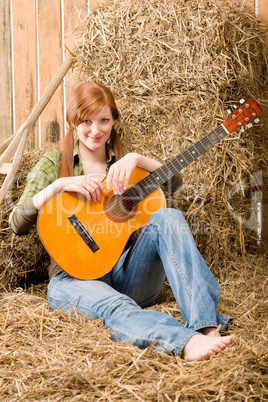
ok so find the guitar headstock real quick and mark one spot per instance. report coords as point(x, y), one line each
point(250, 110)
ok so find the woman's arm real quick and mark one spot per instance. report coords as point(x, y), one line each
point(25, 216)
point(148, 164)
point(42, 183)
point(87, 185)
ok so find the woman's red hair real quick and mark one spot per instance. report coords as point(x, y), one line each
point(88, 98)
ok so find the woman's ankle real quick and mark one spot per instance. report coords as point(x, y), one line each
point(210, 331)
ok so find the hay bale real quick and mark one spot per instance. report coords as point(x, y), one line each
point(175, 68)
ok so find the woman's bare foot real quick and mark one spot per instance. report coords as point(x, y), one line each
point(201, 347)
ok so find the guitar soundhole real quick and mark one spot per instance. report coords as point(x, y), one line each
point(119, 208)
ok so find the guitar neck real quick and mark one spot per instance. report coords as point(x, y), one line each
point(150, 183)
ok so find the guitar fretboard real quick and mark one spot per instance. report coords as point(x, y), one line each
point(150, 183)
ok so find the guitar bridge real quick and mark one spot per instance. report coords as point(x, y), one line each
point(81, 230)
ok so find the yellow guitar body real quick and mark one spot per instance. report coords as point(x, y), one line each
point(108, 225)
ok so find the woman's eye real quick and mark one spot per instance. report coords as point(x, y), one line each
point(86, 122)
point(105, 120)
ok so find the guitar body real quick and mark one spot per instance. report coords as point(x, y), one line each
point(108, 224)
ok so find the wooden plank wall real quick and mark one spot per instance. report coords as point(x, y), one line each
point(260, 7)
point(6, 109)
point(33, 36)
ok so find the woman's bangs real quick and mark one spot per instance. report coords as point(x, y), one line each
point(88, 108)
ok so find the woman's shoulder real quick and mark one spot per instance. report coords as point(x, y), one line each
point(49, 159)
point(49, 164)
point(53, 156)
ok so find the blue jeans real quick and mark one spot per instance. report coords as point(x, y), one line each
point(164, 248)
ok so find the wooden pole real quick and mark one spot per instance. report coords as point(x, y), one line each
point(14, 166)
point(6, 143)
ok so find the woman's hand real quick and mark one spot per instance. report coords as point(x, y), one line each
point(89, 185)
point(119, 173)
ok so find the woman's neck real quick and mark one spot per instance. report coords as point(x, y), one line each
point(92, 161)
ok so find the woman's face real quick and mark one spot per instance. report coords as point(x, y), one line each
point(95, 131)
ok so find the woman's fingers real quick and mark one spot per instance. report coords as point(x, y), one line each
point(118, 181)
point(119, 173)
point(117, 178)
point(109, 178)
point(90, 187)
point(127, 177)
point(94, 188)
point(77, 188)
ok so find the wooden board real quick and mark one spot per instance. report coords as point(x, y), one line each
point(25, 64)
point(6, 116)
point(261, 6)
point(50, 59)
point(72, 10)
point(263, 9)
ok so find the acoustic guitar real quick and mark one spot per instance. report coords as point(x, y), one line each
point(86, 238)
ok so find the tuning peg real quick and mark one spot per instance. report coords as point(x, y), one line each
point(242, 130)
point(234, 106)
point(229, 111)
point(249, 125)
point(257, 120)
point(242, 101)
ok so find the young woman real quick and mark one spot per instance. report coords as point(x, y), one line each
point(164, 248)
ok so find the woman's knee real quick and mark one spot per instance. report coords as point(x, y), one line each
point(169, 216)
point(169, 221)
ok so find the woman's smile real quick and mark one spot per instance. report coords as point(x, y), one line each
point(95, 138)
